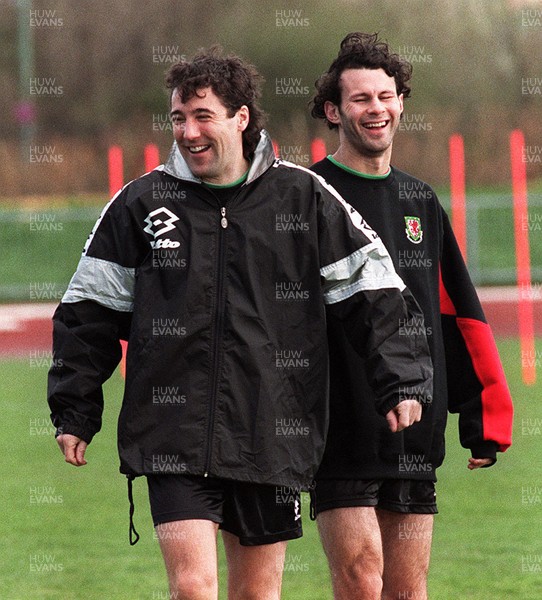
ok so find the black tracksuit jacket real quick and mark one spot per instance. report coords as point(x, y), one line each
point(224, 310)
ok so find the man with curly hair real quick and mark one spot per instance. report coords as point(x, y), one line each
point(217, 267)
point(375, 492)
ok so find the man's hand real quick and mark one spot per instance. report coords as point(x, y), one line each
point(476, 463)
point(405, 414)
point(73, 449)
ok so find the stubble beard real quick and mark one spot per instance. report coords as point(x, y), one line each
point(366, 146)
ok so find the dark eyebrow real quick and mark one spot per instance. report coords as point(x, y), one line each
point(206, 111)
point(198, 111)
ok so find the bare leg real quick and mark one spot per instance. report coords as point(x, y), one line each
point(352, 543)
point(189, 551)
point(406, 541)
point(254, 572)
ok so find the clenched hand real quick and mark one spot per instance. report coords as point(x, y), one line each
point(73, 449)
point(405, 414)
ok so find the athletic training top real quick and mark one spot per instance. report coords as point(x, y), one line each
point(468, 376)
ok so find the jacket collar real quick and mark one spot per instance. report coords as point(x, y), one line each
point(264, 157)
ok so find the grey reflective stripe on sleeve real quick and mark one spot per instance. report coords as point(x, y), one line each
point(105, 282)
point(369, 268)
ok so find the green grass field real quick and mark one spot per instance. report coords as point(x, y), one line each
point(65, 530)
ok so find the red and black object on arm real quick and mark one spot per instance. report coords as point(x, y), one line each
point(477, 387)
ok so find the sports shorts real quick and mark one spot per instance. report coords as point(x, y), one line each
point(409, 496)
point(255, 513)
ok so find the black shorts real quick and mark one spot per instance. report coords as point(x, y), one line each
point(409, 496)
point(255, 513)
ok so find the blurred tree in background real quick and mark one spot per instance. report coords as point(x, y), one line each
point(98, 71)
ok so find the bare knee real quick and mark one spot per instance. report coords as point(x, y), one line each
point(359, 577)
point(353, 546)
point(192, 585)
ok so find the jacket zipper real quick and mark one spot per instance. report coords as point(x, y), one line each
point(217, 324)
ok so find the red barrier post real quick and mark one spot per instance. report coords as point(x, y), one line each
point(523, 260)
point(318, 149)
point(458, 201)
point(116, 170)
point(152, 157)
point(116, 181)
point(122, 366)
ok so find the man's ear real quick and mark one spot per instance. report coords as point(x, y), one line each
point(243, 114)
point(332, 112)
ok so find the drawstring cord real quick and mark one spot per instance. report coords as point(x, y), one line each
point(312, 493)
point(133, 531)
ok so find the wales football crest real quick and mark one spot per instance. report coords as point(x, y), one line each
point(414, 229)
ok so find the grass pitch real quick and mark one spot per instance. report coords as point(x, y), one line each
point(65, 530)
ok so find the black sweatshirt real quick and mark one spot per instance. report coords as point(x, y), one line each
point(468, 376)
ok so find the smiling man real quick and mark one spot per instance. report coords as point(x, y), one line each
point(367, 118)
point(225, 405)
point(203, 130)
point(375, 492)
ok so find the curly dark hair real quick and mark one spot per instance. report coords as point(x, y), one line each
point(359, 51)
point(235, 81)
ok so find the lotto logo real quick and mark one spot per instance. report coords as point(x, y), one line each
point(160, 221)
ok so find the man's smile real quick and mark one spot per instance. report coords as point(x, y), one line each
point(375, 124)
point(197, 149)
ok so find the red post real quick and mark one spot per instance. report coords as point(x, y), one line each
point(122, 366)
point(457, 191)
point(152, 160)
point(116, 181)
point(318, 149)
point(152, 157)
point(116, 174)
point(523, 260)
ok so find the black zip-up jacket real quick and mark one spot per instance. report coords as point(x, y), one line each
point(224, 310)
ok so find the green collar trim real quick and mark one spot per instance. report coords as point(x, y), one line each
point(354, 172)
point(216, 186)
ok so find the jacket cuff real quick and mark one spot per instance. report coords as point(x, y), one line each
point(392, 401)
point(485, 449)
point(386, 405)
point(71, 429)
